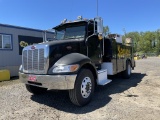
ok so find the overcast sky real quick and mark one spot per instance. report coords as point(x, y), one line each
point(131, 15)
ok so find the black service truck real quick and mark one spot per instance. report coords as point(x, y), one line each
point(79, 58)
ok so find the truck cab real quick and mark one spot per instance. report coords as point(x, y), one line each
point(77, 60)
point(81, 37)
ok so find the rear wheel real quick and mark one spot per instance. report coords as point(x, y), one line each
point(127, 72)
point(83, 89)
point(35, 89)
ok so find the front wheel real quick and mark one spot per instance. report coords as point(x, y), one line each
point(83, 89)
point(127, 73)
point(35, 89)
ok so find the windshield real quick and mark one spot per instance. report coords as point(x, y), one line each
point(70, 33)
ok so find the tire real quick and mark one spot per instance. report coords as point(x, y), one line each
point(127, 73)
point(35, 89)
point(83, 89)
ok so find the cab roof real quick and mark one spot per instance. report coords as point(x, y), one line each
point(72, 23)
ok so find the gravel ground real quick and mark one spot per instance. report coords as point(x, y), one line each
point(137, 98)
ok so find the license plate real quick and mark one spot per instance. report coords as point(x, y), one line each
point(32, 78)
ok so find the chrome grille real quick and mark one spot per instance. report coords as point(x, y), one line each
point(41, 59)
point(34, 61)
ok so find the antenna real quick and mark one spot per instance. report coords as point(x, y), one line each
point(97, 8)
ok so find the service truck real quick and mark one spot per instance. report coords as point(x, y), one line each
point(80, 58)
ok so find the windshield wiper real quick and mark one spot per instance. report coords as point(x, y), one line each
point(79, 36)
point(70, 37)
point(74, 37)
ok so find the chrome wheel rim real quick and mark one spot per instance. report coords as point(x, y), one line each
point(86, 87)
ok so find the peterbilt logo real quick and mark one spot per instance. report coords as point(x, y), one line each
point(33, 47)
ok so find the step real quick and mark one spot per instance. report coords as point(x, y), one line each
point(104, 82)
point(103, 77)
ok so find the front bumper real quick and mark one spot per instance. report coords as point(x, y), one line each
point(57, 82)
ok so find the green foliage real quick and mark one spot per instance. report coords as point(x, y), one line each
point(106, 30)
point(145, 42)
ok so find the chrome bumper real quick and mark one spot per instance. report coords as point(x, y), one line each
point(58, 82)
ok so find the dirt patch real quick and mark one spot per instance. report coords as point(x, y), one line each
point(12, 81)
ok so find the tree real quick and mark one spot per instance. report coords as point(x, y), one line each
point(145, 42)
point(106, 30)
point(135, 39)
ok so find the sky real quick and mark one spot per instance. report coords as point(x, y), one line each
point(120, 15)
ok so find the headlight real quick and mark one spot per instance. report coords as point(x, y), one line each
point(66, 68)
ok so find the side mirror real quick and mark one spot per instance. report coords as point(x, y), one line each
point(99, 25)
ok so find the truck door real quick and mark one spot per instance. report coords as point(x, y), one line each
point(93, 44)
